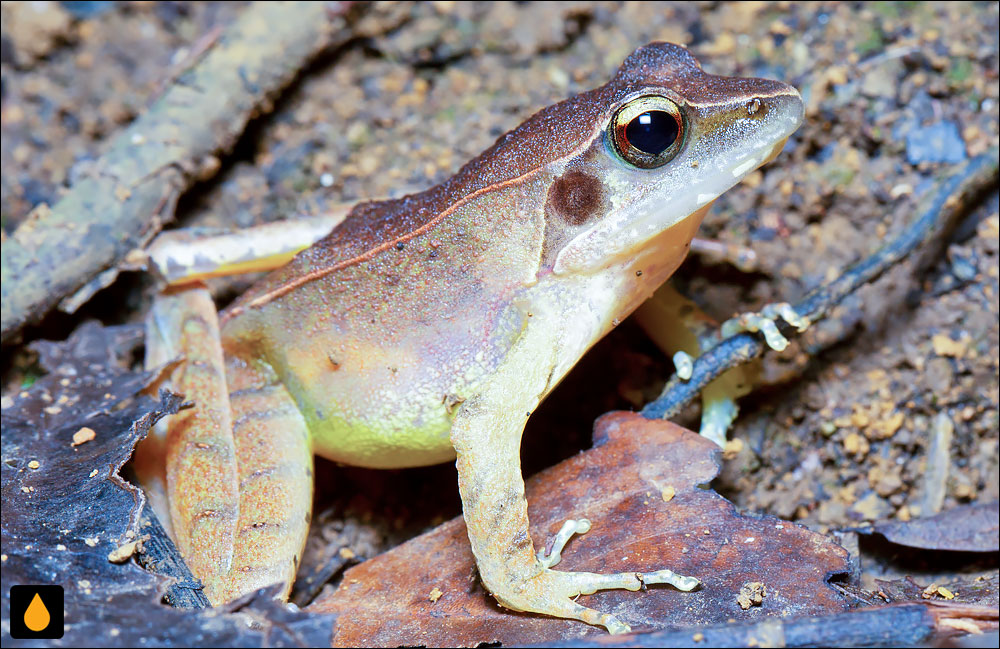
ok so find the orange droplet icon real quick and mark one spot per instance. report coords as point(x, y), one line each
point(36, 616)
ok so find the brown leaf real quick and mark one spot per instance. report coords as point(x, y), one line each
point(966, 528)
point(618, 486)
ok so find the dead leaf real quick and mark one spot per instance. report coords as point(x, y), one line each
point(383, 602)
point(970, 591)
point(967, 528)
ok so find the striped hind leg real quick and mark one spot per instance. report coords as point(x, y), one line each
point(275, 481)
point(238, 466)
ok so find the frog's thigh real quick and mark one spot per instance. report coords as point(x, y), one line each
point(238, 476)
point(486, 434)
point(275, 474)
point(199, 454)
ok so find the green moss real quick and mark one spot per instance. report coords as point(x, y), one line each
point(839, 176)
point(871, 40)
point(447, 115)
point(30, 376)
point(886, 9)
point(893, 9)
point(960, 70)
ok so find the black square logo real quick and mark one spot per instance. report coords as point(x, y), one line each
point(36, 612)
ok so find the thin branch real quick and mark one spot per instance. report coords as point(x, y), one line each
point(904, 624)
point(136, 183)
point(951, 199)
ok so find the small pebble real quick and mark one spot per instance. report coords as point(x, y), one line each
point(938, 142)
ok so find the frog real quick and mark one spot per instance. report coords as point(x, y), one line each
point(426, 329)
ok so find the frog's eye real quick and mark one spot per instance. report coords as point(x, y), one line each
point(647, 131)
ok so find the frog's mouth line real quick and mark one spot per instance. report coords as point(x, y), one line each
point(745, 168)
point(659, 220)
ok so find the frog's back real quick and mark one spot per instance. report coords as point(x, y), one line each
point(384, 326)
point(381, 328)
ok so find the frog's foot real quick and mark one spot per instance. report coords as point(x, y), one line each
point(552, 592)
point(764, 321)
point(185, 256)
point(562, 537)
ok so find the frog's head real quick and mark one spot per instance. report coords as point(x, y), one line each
point(655, 146)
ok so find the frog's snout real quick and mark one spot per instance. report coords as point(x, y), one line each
point(788, 106)
point(776, 102)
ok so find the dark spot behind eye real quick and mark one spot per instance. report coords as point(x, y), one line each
point(575, 197)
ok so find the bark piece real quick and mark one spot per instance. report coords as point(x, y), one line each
point(68, 514)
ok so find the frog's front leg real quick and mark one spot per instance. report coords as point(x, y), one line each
point(486, 434)
point(682, 330)
point(238, 465)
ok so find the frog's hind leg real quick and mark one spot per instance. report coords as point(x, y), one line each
point(238, 464)
point(275, 471)
point(199, 455)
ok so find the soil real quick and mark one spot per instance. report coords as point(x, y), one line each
point(897, 420)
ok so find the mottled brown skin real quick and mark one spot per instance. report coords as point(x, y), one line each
point(431, 325)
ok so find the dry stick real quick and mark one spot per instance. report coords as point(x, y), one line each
point(135, 185)
point(951, 199)
point(905, 624)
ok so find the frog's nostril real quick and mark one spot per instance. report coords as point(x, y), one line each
point(758, 107)
point(785, 104)
point(784, 100)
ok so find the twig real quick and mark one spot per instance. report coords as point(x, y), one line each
point(950, 200)
point(895, 625)
point(136, 183)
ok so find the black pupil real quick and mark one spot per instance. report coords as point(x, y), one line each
point(652, 132)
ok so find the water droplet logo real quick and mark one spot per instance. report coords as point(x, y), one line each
point(36, 612)
point(37, 617)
